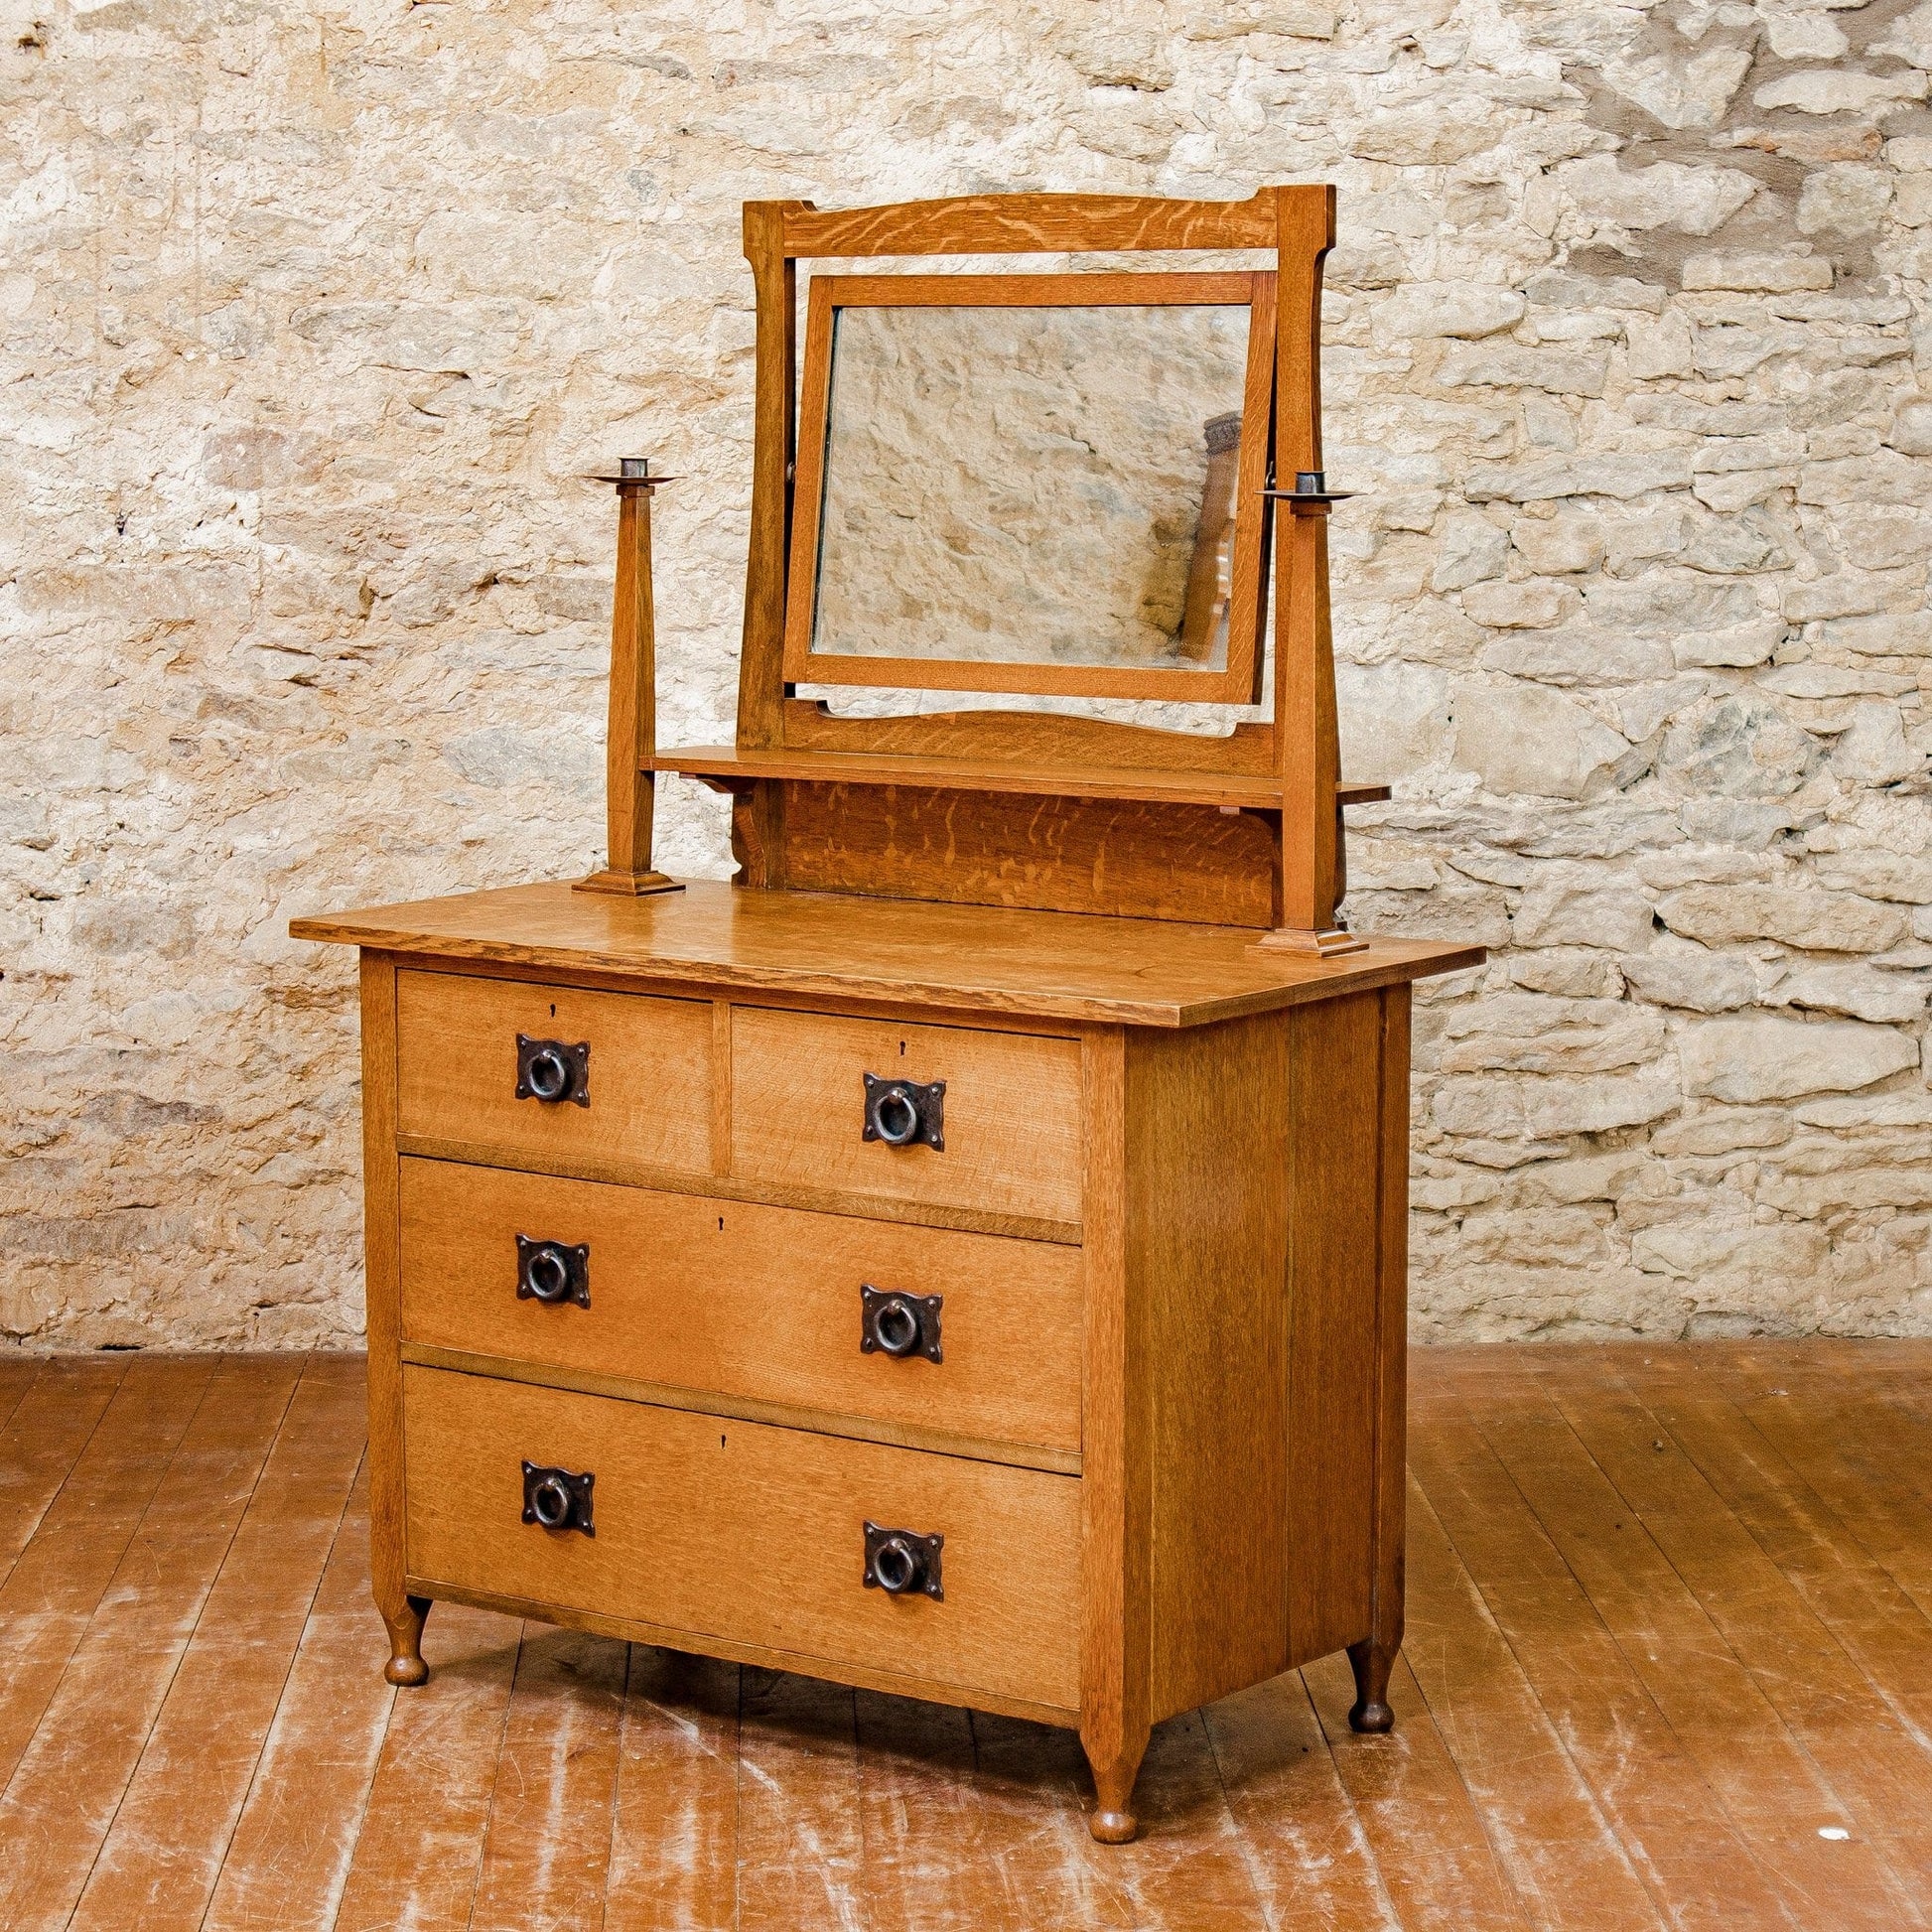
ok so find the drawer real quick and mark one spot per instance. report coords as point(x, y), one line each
point(1011, 1111)
point(748, 1533)
point(760, 1303)
point(649, 1070)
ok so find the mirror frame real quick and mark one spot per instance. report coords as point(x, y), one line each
point(1238, 682)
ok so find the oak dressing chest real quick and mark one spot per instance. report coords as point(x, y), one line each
point(966, 1254)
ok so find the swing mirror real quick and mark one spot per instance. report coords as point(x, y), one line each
point(1034, 483)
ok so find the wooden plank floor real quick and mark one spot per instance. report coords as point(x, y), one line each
point(1669, 1665)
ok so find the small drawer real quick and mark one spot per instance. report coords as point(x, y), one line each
point(642, 1092)
point(1008, 1118)
point(760, 1303)
point(748, 1533)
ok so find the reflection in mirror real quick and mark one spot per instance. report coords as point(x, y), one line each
point(1032, 485)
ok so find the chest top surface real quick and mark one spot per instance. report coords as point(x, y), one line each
point(965, 958)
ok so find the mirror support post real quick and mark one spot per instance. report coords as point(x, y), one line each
point(1306, 733)
point(632, 740)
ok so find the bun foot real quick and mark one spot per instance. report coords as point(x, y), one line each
point(1115, 1768)
point(1371, 1664)
point(405, 1665)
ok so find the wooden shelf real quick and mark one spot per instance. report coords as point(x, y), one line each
point(1228, 790)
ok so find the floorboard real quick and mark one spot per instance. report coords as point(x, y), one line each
point(1669, 1619)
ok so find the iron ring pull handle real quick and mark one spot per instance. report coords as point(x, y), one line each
point(553, 1272)
point(906, 1113)
point(553, 1070)
point(551, 1502)
point(903, 1563)
point(898, 1325)
point(558, 1499)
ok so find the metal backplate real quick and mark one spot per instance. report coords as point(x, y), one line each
point(924, 1552)
point(577, 1516)
point(927, 1102)
point(575, 1260)
point(877, 1309)
point(575, 1055)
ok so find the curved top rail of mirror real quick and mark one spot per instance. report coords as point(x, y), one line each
point(1007, 224)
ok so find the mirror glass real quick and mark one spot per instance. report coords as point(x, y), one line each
point(1032, 485)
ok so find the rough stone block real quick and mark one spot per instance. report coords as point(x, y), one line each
point(1780, 1060)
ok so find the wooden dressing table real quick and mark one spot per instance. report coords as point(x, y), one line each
point(966, 1256)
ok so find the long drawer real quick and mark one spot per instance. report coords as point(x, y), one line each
point(1009, 1113)
point(647, 1075)
point(765, 1303)
point(748, 1533)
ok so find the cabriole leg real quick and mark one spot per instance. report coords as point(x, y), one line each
point(1112, 1821)
point(405, 1665)
point(1371, 1662)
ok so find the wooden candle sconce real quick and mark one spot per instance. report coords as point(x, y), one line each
point(631, 742)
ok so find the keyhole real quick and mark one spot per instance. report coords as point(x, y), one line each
point(553, 1014)
point(721, 1224)
point(721, 1442)
point(902, 1049)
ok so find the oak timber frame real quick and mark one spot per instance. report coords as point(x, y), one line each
point(1238, 683)
point(1063, 813)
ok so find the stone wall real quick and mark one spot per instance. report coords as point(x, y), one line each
point(317, 315)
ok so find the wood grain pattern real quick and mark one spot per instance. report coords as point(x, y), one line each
point(987, 224)
point(82, 1459)
point(808, 484)
point(631, 734)
point(674, 1814)
point(1117, 1471)
point(1124, 289)
point(1390, 1397)
point(1335, 1208)
point(686, 1536)
point(1207, 1256)
point(649, 1068)
point(858, 1675)
point(52, 1423)
point(1836, 1718)
point(546, 1857)
point(1113, 858)
point(807, 1200)
point(964, 959)
point(1655, 1804)
point(1540, 1734)
point(383, 1317)
point(1011, 1111)
point(714, 1401)
point(284, 1868)
point(755, 1301)
point(951, 768)
point(760, 661)
point(1720, 1715)
point(419, 1851)
point(801, 1849)
point(1037, 740)
point(1306, 725)
point(188, 1789)
point(1235, 682)
point(65, 1792)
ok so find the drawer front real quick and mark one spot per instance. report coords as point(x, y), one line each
point(648, 1070)
point(748, 1533)
point(1011, 1111)
point(760, 1303)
